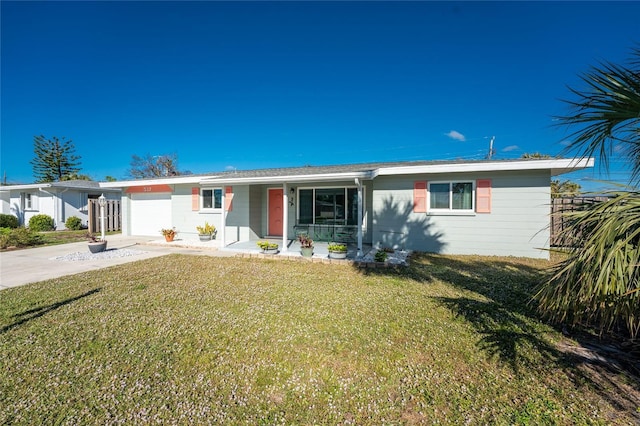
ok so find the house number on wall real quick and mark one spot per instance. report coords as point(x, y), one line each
point(147, 189)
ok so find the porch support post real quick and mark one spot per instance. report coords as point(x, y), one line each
point(223, 219)
point(360, 254)
point(285, 216)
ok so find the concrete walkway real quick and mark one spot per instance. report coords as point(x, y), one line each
point(19, 267)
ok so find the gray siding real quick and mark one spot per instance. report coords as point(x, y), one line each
point(517, 225)
point(255, 212)
point(186, 220)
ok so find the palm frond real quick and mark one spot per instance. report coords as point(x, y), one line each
point(607, 113)
point(598, 283)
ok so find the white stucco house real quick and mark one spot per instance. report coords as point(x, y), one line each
point(60, 200)
point(490, 207)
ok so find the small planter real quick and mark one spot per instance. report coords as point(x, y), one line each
point(338, 254)
point(306, 251)
point(98, 247)
point(204, 237)
point(169, 238)
point(267, 248)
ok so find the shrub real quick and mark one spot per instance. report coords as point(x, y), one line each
point(20, 237)
point(8, 221)
point(41, 222)
point(380, 256)
point(73, 223)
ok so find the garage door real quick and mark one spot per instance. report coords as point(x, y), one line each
point(150, 213)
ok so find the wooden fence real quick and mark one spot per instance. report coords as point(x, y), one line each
point(113, 216)
point(561, 221)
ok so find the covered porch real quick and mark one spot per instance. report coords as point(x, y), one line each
point(327, 208)
point(320, 248)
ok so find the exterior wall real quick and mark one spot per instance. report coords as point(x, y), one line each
point(186, 220)
point(237, 228)
point(256, 205)
point(5, 202)
point(518, 224)
point(125, 205)
point(59, 204)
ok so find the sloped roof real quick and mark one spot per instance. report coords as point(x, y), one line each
point(65, 184)
point(363, 171)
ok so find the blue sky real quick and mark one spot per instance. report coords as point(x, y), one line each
point(252, 85)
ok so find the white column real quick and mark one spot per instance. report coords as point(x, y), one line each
point(285, 216)
point(223, 219)
point(359, 217)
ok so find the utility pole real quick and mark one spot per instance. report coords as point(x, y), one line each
point(491, 148)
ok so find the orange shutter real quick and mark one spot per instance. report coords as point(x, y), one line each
point(195, 199)
point(483, 196)
point(420, 197)
point(228, 198)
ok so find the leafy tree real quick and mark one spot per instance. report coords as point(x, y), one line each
point(75, 176)
point(110, 179)
point(599, 282)
point(565, 188)
point(154, 166)
point(54, 159)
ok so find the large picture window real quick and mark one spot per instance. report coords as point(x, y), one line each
point(211, 198)
point(330, 206)
point(456, 196)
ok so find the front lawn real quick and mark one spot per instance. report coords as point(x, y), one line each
point(195, 339)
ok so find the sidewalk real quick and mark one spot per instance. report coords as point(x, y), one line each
point(19, 267)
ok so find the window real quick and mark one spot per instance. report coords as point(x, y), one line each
point(28, 201)
point(456, 196)
point(331, 206)
point(211, 198)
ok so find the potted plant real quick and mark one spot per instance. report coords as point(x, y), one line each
point(206, 232)
point(96, 245)
point(267, 247)
point(337, 250)
point(306, 245)
point(169, 234)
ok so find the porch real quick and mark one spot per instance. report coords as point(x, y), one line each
point(320, 248)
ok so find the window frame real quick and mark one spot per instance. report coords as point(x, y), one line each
point(450, 209)
point(30, 201)
point(345, 188)
point(213, 207)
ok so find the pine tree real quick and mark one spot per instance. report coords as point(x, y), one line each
point(54, 159)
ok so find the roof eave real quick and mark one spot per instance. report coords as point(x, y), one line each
point(328, 177)
point(557, 166)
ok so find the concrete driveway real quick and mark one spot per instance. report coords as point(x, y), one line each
point(19, 267)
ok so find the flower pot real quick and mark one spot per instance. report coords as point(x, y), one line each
point(98, 246)
point(169, 238)
point(204, 237)
point(306, 251)
point(338, 254)
point(270, 251)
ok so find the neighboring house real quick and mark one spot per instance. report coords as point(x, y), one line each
point(458, 207)
point(60, 200)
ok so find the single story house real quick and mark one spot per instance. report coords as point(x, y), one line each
point(60, 200)
point(489, 207)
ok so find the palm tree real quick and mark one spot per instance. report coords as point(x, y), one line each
point(599, 282)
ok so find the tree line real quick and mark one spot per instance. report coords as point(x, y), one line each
point(55, 160)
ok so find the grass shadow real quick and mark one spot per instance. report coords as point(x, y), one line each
point(497, 302)
point(34, 313)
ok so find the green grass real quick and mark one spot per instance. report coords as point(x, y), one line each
point(50, 238)
point(194, 339)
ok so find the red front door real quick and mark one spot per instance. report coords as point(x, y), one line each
point(275, 212)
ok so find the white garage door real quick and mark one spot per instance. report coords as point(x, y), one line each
point(150, 212)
